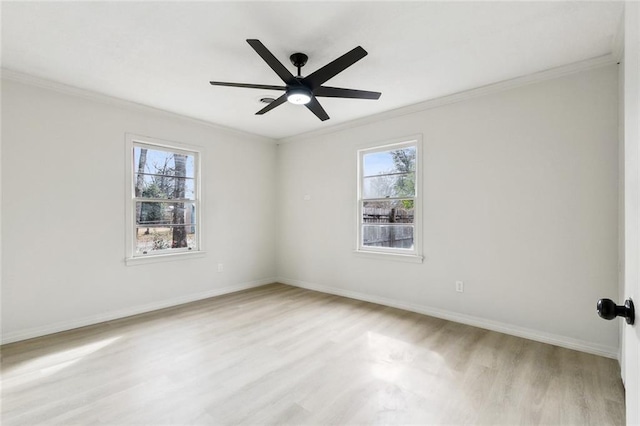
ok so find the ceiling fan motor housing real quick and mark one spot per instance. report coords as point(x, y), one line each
point(299, 95)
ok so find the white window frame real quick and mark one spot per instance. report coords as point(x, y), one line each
point(131, 258)
point(407, 255)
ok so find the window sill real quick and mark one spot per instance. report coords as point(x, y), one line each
point(131, 261)
point(410, 258)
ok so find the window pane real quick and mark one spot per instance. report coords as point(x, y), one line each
point(158, 186)
point(166, 163)
point(395, 185)
point(165, 237)
point(402, 160)
point(392, 211)
point(394, 236)
point(162, 226)
point(154, 213)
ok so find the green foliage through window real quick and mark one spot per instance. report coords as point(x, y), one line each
point(388, 189)
point(164, 184)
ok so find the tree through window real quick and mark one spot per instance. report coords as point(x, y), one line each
point(165, 199)
point(387, 198)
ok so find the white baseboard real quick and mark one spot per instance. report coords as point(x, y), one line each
point(539, 336)
point(30, 333)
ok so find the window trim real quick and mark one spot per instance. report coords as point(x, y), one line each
point(405, 255)
point(132, 140)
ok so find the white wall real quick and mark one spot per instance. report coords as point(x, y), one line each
point(520, 202)
point(63, 203)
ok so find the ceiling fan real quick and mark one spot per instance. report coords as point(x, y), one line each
point(304, 90)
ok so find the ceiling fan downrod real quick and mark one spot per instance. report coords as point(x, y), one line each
point(298, 60)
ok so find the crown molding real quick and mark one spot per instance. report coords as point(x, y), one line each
point(31, 80)
point(549, 74)
point(617, 46)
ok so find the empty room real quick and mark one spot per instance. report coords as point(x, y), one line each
point(320, 213)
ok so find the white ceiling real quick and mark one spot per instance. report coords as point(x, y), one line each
point(164, 54)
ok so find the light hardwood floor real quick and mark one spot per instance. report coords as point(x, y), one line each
point(284, 355)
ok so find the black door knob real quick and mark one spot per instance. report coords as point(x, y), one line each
point(608, 310)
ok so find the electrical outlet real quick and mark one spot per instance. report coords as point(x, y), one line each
point(459, 286)
point(220, 267)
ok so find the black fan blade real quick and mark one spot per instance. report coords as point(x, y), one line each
point(315, 107)
point(274, 63)
point(337, 92)
point(282, 99)
point(248, 86)
point(330, 70)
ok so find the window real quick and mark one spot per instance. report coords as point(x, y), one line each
point(164, 208)
point(388, 199)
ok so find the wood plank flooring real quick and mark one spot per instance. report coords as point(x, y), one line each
point(284, 355)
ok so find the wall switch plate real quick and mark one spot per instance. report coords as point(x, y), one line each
point(459, 286)
point(220, 267)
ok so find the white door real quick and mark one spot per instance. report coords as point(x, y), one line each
point(631, 334)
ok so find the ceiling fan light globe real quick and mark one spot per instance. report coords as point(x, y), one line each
point(298, 96)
